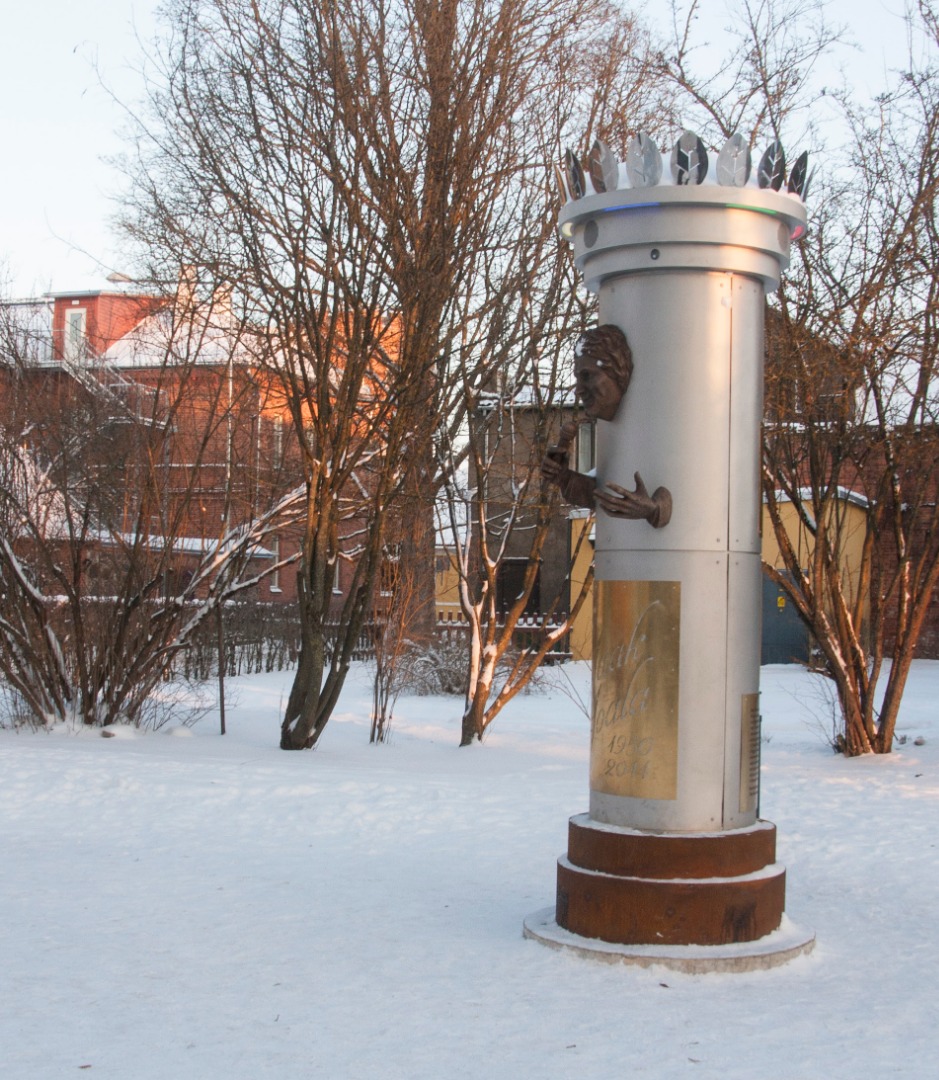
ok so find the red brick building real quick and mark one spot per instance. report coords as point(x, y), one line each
point(178, 409)
point(139, 363)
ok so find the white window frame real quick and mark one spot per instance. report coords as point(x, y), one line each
point(586, 448)
point(275, 576)
point(337, 584)
point(73, 345)
point(277, 442)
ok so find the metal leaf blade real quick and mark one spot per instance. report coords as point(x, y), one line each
point(772, 170)
point(689, 159)
point(576, 181)
point(643, 162)
point(561, 185)
point(604, 167)
point(734, 162)
point(798, 175)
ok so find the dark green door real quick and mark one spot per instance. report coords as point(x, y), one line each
point(785, 636)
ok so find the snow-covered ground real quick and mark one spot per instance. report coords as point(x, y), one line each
point(185, 905)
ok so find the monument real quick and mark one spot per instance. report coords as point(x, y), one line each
point(672, 862)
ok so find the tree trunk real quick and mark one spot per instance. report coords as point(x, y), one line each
point(896, 683)
point(474, 716)
point(855, 740)
point(299, 730)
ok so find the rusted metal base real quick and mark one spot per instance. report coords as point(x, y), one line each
point(638, 888)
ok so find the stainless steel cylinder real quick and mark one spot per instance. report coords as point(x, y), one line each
point(683, 272)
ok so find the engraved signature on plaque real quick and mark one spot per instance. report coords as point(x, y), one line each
point(634, 736)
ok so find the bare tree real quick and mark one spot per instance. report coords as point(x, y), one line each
point(603, 82)
point(508, 521)
point(109, 555)
point(363, 175)
point(856, 347)
point(763, 82)
point(850, 348)
point(404, 619)
point(248, 175)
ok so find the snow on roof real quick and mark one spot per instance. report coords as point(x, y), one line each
point(182, 545)
point(206, 337)
point(843, 493)
point(447, 521)
point(529, 398)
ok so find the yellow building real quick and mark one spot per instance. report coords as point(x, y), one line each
point(850, 507)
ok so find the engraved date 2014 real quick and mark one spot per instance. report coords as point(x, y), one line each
point(631, 756)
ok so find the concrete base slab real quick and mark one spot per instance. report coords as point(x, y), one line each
point(777, 948)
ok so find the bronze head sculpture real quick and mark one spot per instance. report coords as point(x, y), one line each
point(603, 367)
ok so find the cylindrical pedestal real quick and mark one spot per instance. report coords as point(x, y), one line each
point(640, 888)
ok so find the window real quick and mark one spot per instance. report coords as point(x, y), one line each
point(337, 581)
point(509, 586)
point(388, 571)
point(74, 345)
point(277, 443)
point(444, 564)
point(275, 576)
point(586, 447)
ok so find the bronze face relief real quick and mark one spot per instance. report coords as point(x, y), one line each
point(603, 369)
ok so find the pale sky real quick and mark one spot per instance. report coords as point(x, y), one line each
point(58, 125)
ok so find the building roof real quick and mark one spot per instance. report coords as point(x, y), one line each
point(842, 493)
point(206, 336)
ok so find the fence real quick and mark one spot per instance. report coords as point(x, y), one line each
point(259, 637)
point(530, 630)
point(266, 637)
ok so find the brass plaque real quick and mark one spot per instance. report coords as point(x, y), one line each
point(749, 753)
point(634, 735)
